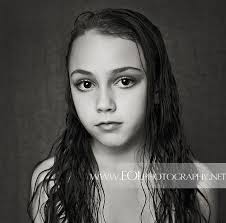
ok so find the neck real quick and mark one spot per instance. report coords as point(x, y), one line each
point(110, 156)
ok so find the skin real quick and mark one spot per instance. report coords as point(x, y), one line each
point(104, 96)
point(107, 94)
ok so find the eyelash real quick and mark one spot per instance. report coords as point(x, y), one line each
point(132, 81)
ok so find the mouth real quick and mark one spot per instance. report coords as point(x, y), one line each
point(109, 126)
point(109, 123)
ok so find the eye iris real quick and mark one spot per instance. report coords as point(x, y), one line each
point(87, 84)
point(125, 81)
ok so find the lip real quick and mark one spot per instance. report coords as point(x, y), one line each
point(109, 126)
point(108, 123)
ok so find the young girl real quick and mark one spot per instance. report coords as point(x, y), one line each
point(123, 108)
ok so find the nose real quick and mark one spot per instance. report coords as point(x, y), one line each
point(105, 101)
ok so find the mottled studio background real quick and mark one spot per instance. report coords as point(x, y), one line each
point(33, 35)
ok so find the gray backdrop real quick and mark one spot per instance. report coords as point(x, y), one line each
point(33, 38)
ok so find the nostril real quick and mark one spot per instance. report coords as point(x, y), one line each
point(103, 108)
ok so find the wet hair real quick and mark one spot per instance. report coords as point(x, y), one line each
point(76, 197)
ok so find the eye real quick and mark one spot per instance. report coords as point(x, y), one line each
point(84, 85)
point(125, 82)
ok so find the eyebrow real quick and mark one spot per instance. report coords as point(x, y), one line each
point(115, 71)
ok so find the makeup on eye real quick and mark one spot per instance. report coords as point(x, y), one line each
point(123, 81)
point(86, 84)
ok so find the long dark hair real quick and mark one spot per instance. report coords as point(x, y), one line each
point(75, 196)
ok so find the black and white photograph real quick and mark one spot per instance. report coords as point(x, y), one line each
point(113, 111)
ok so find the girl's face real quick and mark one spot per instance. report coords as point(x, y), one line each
point(108, 87)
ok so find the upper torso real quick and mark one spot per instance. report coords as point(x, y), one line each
point(122, 203)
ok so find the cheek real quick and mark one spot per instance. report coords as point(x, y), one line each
point(83, 107)
point(134, 103)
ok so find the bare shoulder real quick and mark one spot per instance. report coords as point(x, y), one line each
point(38, 193)
point(209, 192)
point(205, 182)
point(40, 172)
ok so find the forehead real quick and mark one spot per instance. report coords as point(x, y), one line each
point(98, 52)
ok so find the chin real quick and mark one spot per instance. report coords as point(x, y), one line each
point(113, 142)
